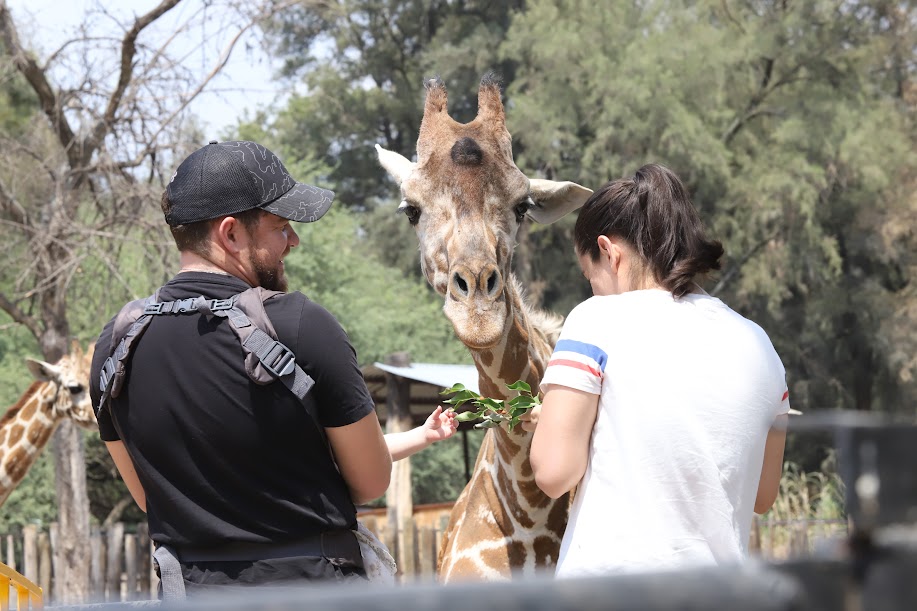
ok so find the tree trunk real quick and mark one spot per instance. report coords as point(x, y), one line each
point(72, 552)
point(71, 555)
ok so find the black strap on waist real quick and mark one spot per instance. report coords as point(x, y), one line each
point(339, 546)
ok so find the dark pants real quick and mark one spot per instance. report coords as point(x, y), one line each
point(213, 577)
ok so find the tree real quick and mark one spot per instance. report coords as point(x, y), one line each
point(81, 183)
point(789, 123)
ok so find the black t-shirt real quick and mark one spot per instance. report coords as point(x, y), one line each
point(221, 458)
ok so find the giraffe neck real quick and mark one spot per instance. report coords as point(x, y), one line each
point(24, 431)
point(521, 354)
point(511, 525)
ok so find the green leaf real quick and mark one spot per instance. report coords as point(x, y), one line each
point(467, 416)
point(520, 386)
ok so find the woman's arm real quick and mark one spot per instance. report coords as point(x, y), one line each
point(126, 469)
point(560, 447)
point(439, 425)
point(773, 465)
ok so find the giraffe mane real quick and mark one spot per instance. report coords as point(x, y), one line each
point(15, 409)
point(549, 324)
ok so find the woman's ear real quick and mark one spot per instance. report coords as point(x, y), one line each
point(609, 251)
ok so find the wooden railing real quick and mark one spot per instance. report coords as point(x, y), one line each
point(121, 569)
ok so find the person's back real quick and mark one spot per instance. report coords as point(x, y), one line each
point(249, 474)
point(219, 456)
point(663, 405)
point(675, 481)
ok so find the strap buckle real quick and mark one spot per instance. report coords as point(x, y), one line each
point(106, 375)
point(277, 359)
point(153, 308)
point(180, 306)
point(219, 305)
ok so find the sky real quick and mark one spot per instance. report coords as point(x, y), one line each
point(243, 86)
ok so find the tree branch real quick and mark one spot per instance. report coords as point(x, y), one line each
point(11, 206)
point(128, 49)
point(37, 79)
point(19, 316)
point(733, 271)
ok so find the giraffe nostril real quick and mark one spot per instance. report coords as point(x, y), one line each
point(491, 282)
point(75, 389)
point(461, 284)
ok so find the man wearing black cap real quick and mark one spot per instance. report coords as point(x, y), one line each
point(236, 476)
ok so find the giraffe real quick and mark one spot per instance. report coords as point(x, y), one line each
point(59, 391)
point(466, 199)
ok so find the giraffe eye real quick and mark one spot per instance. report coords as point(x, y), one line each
point(522, 207)
point(412, 212)
point(75, 389)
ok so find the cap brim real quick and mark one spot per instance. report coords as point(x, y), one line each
point(303, 203)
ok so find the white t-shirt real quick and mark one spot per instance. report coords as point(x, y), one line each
point(688, 391)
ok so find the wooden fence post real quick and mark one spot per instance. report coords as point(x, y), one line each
point(44, 565)
point(426, 555)
point(143, 562)
point(30, 551)
point(130, 565)
point(115, 537)
point(10, 552)
point(96, 566)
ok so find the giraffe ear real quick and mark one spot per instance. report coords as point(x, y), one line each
point(42, 371)
point(554, 200)
point(398, 166)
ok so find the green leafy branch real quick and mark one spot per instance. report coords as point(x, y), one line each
point(492, 412)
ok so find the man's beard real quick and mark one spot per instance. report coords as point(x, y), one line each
point(270, 277)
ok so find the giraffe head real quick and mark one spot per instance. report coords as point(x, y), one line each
point(466, 199)
point(67, 386)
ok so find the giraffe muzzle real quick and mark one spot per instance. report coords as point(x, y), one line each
point(470, 286)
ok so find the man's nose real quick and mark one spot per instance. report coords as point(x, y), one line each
point(293, 237)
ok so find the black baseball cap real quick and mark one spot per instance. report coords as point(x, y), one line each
point(225, 178)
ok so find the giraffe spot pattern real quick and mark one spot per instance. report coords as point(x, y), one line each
point(16, 432)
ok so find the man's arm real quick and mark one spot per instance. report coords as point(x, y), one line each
point(362, 457)
point(772, 468)
point(126, 468)
point(560, 447)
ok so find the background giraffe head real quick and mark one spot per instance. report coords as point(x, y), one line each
point(68, 385)
point(466, 199)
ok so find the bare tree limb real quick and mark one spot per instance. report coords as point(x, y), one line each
point(36, 77)
point(19, 316)
point(128, 49)
point(11, 206)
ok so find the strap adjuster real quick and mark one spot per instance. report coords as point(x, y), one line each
point(277, 359)
point(106, 375)
point(180, 306)
point(219, 305)
point(153, 308)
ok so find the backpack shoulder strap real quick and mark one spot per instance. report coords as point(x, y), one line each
point(266, 359)
point(130, 323)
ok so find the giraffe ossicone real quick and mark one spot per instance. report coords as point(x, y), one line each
point(466, 199)
point(60, 391)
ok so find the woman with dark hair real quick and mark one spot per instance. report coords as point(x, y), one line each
point(665, 406)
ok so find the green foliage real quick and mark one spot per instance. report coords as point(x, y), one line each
point(362, 64)
point(787, 123)
point(492, 412)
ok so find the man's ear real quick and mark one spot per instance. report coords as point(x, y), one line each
point(554, 200)
point(398, 166)
point(230, 234)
